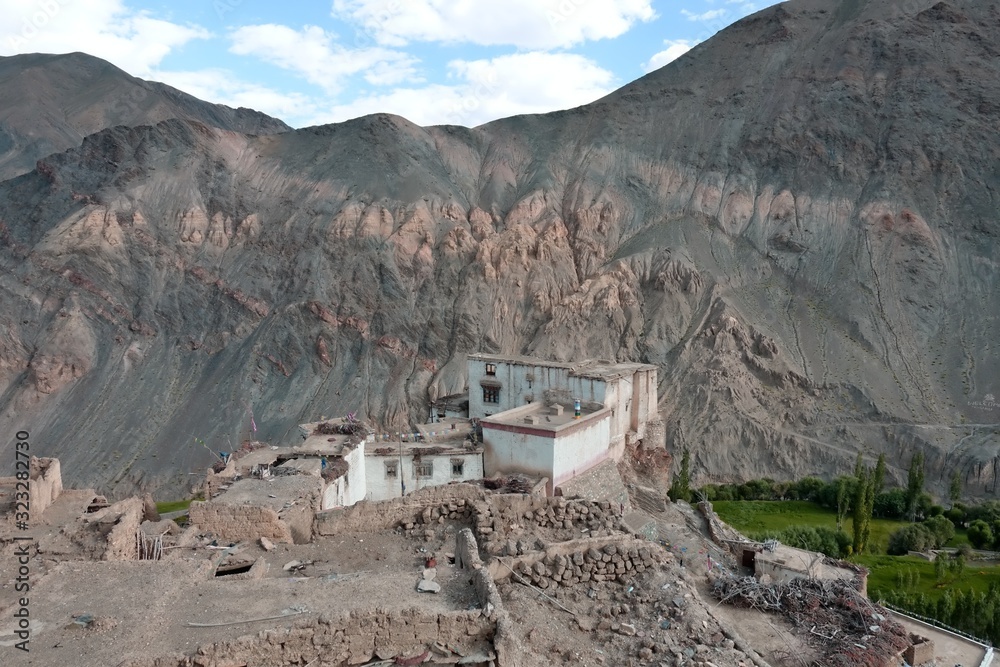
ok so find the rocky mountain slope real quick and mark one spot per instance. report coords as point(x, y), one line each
point(51, 102)
point(796, 221)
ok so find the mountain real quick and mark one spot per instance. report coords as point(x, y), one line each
point(796, 221)
point(51, 102)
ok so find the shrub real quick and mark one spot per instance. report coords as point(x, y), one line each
point(833, 543)
point(957, 516)
point(915, 537)
point(980, 534)
point(941, 528)
point(807, 488)
point(890, 504)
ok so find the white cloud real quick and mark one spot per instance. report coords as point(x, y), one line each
point(223, 87)
point(316, 55)
point(704, 16)
point(532, 82)
point(132, 40)
point(528, 24)
point(675, 49)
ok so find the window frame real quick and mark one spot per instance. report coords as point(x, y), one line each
point(491, 395)
point(391, 469)
point(491, 369)
point(423, 469)
point(460, 464)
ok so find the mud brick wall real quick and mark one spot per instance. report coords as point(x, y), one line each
point(615, 558)
point(46, 483)
point(373, 516)
point(126, 517)
point(239, 522)
point(506, 640)
point(921, 650)
point(348, 639)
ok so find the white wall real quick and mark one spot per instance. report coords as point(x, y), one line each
point(352, 487)
point(581, 450)
point(380, 487)
point(516, 387)
point(558, 456)
point(517, 451)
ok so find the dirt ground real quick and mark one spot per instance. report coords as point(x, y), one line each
point(949, 650)
point(141, 608)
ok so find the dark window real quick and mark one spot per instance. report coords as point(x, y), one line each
point(391, 469)
point(491, 369)
point(423, 469)
point(491, 394)
point(457, 467)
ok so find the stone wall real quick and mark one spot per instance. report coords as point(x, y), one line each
point(614, 558)
point(46, 483)
point(239, 522)
point(348, 639)
point(373, 516)
point(564, 519)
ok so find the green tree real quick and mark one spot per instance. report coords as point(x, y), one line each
point(859, 464)
point(880, 474)
point(680, 489)
point(914, 484)
point(864, 502)
point(843, 500)
point(941, 529)
point(891, 504)
point(915, 537)
point(940, 568)
point(980, 534)
point(955, 489)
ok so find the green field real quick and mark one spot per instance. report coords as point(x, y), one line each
point(883, 575)
point(172, 506)
point(753, 517)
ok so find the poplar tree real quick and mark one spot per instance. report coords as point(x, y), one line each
point(864, 504)
point(880, 474)
point(914, 484)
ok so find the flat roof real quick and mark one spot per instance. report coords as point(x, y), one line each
point(390, 448)
point(599, 369)
point(259, 492)
point(546, 419)
point(324, 444)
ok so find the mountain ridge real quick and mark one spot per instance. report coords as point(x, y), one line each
point(54, 101)
point(805, 249)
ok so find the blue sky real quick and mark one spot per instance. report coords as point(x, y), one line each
point(461, 62)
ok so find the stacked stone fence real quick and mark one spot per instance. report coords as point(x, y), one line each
point(493, 520)
point(614, 558)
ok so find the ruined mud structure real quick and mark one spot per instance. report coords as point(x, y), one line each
point(454, 574)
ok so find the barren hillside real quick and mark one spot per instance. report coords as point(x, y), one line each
point(51, 102)
point(796, 221)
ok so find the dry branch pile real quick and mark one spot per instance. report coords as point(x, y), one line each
point(851, 630)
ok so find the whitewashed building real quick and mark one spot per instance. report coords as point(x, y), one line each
point(392, 468)
point(526, 407)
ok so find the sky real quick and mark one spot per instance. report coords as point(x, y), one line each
point(458, 62)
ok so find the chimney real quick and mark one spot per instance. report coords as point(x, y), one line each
point(557, 409)
point(531, 419)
